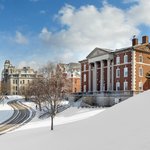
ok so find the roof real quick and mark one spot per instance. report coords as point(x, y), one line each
point(99, 51)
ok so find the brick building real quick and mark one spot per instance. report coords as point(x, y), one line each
point(72, 70)
point(117, 70)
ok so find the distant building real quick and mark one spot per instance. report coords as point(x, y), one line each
point(14, 80)
point(120, 70)
point(72, 70)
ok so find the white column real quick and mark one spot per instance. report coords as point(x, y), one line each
point(95, 77)
point(102, 75)
point(112, 75)
point(108, 74)
point(89, 77)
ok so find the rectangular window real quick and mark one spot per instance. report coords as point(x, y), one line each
point(16, 81)
point(140, 72)
point(140, 86)
point(84, 88)
point(140, 58)
point(117, 86)
point(84, 78)
point(117, 60)
point(125, 85)
point(125, 58)
point(117, 73)
point(125, 72)
point(13, 81)
point(84, 67)
point(23, 81)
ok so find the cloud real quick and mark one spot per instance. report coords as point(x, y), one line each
point(31, 64)
point(20, 38)
point(138, 13)
point(88, 27)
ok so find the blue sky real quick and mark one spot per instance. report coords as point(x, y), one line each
point(33, 32)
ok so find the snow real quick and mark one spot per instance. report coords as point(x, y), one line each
point(125, 126)
point(5, 110)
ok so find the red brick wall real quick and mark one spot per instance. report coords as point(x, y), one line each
point(146, 68)
point(121, 66)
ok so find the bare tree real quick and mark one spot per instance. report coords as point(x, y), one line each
point(55, 87)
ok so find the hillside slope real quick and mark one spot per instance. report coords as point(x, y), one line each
point(125, 126)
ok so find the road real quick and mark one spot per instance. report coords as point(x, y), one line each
point(22, 114)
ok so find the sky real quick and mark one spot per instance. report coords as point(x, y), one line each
point(33, 32)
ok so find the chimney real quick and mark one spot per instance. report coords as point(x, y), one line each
point(134, 41)
point(145, 39)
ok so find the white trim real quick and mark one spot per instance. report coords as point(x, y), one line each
point(99, 58)
point(133, 69)
point(143, 63)
point(122, 64)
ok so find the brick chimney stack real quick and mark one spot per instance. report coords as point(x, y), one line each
point(134, 41)
point(145, 39)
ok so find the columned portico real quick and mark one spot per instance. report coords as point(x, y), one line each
point(99, 70)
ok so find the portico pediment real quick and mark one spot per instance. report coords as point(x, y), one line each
point(98, 52)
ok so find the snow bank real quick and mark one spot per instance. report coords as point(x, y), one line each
point(125, 126)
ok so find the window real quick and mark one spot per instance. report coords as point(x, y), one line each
point(117, 60)
point(13, 81)
point(23, 81)
point(125, 85)
point(140, 72)
point(75, 90)
point(16, 81)
point(117, 86)
point(140, 86)
point(117, 73)
point(84, 67)
point(140, 58)
point(84, 88)
point(84, 78)
point(125, 58)
point(125, 72)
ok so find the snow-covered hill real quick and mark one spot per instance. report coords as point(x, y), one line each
point(125, 126)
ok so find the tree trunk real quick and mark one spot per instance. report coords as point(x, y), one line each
point(52, 125)
point(40, 108)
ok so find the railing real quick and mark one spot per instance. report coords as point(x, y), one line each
point(108, 93)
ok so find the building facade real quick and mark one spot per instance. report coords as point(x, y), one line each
point(73, 73)
point(117, 70)
point(14, 81)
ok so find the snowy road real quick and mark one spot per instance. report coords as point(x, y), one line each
point(22, 114)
